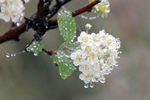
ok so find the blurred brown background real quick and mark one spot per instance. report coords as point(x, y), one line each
point(26, 77)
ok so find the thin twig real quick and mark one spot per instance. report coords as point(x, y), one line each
point(87, 8)
point(51, 52)
point(14, 33)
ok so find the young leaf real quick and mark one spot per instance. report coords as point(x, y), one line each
point(35, 47)
point(67, 25)
point(65, 63)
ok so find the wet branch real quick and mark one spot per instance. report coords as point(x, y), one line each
point(51, 52)
point(15, 32)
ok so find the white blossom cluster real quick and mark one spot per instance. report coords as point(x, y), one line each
point(12, 10)
point(103, 7)
point(97, 56)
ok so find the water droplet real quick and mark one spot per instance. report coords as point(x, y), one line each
point(120, 52)
point(66, 29)
point(54, 62)
point(35, 54)
point(91, 85)
point(72, 40)
point(86, 86)
point(31, 49)
point(11, 55)
point(102, 80)
point(7, 55)
point(18, 24)
point(116, 65)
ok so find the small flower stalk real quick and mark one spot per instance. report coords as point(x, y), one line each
point(97, 57)
point(95, 54)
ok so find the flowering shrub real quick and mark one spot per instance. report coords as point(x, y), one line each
point(94, 54)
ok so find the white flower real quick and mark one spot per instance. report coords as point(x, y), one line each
point(95, 38)
point(78, 57)
point(11, 10)
point(84, 38)
point(96, 57)
point(85, 68)
point(87, 78)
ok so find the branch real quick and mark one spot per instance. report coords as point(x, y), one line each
point(51, 52)
point(53, 10)
point(14, 33)
point(41, 25)
point(87, 8)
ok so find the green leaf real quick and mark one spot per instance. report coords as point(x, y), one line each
point(35, 47)
point(65, 63)
point(67, 25)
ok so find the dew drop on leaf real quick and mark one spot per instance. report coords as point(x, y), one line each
point(7, 55)
point(35, 54)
